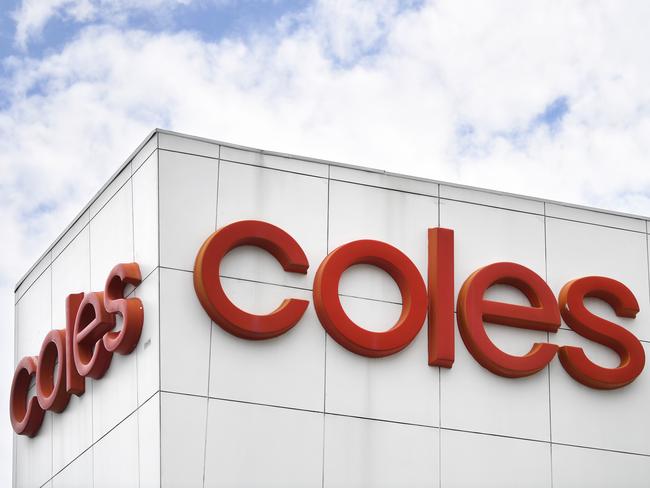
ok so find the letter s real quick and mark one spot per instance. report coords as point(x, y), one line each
point(131, 310)
point(602, 331)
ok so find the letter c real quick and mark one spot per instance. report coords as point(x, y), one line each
point(207, 283)
point(26, 414)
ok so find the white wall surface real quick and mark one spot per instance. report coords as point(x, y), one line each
point(72, 447)
point(195, 406)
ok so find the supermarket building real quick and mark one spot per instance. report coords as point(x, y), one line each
point(210, 379)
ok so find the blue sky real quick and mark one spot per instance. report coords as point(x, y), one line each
point(210, 20)
point(550, 99)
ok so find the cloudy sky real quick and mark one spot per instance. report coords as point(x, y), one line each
point(546, 98)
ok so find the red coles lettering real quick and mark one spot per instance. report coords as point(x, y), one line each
point(84, 348)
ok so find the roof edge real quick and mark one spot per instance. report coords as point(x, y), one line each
point(157, 131)
point(401, 175)
point(86, 207)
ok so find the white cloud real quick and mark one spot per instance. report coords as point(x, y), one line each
point(439, 91)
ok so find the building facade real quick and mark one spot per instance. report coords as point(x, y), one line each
point(195, 405)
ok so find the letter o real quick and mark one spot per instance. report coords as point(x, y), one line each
point(50, 391)
point(337, 323)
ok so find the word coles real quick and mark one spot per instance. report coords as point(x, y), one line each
point(83, 349)
point(432, 302)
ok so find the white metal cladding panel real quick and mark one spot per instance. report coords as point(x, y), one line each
point(183, 439)
point(70, 274)
point(473, 399)
point(149, 442)
point(615, 419)
point(295, 203)
point(111, 236)
point(77, 474)
point(188, 202)
point(396, 388)
point(147, 351)
point(72, 431)
point(398, 218)
point(360, 452)
point(485, 235)
point(576, 466)
point(299, 409)
point(33, 465)
point(493, 199)
point(468, 459)
point(34, 316)
point(286, 371)
point(258, 446)
point(115, 396)
point(145, 215)
point(128, 455)
point(184, 335)
point(115, 456)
